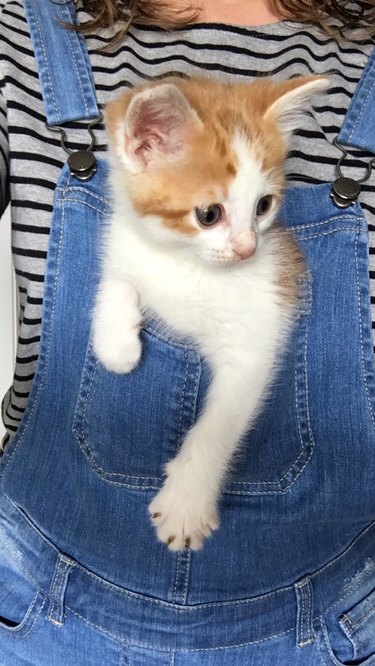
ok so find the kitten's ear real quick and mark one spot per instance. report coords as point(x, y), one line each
point(294, 98)
point(158, 122)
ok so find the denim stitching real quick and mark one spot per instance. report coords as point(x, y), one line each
point(165, 338)
point(280, 489)
point(327, 644)
point(34, 620)
point(124, 656)
point(303, 337)
point(295, 229)
point(85, 191)
point(50, 91)
point(310, 638)
point(359, 108)
point(23, 623)
point(220, 648)
point(182, 650)
point(303, 613)
point(339, 601)
point(344, 218)
point(327, 233)
point(305, 395)
point(80, 420)
point(183, 609)
point(79, 431)
point(187, 572)
point(321, 653)
point(345, 621)
point(57, 587)
point(45, 349)
point(85, 203)
point(78, 76)
point(238, 602)
point(306, 613)
point(183, 560)
point(182, 400)
point(347, 594)
point(364, 617)
point(79, 427)
point(171, 659)
point(346, 550)
point(360, 317)
point(176, 576)
point(352, 627)
point(19, 627)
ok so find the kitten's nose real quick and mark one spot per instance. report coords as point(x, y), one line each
point(245, 244)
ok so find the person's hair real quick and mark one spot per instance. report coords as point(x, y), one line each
point(120, 14)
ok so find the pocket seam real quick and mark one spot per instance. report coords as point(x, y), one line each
point(22, 630)
point(307, 445)
point(90, 365)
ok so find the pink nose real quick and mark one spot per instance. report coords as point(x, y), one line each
point(245, 244)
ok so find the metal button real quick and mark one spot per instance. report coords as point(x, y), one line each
point(345, 191)
point(82, 164)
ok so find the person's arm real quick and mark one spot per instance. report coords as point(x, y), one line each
point(4, 145)
point(4, 155)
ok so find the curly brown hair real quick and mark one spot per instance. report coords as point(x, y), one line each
point(122, 13)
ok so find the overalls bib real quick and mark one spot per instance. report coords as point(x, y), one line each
point(289, 577)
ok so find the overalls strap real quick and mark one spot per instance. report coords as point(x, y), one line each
point(358, 129)
point(63, 62)
point(68, 87)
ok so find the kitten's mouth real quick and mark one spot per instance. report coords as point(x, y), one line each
point(229, 259)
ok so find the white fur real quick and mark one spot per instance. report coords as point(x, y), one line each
point(231, 308)
point(203, 287)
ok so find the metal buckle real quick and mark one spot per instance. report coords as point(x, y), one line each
point(82, 163)
point(345, 191)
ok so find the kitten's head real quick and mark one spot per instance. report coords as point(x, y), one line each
point(202, 161)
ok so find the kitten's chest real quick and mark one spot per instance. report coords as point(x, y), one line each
point(221, 305)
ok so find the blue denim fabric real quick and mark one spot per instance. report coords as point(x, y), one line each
point(62, 60)
point(355, 130)
point(289, 577)
point(302, 494)
point(60, 613)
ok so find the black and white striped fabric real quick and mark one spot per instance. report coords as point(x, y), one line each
point(31, 156)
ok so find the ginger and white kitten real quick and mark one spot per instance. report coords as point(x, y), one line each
point(197, 177)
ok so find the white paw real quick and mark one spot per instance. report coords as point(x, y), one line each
point(119, 355)
point(182, 518)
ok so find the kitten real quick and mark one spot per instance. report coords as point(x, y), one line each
point(197, 177)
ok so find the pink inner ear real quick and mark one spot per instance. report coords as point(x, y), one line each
point(156, 125)
point(159, 127)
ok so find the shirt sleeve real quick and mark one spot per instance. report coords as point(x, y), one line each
point(4, 143)
point(4, 155)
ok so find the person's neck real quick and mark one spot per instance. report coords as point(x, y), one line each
point(236, 12)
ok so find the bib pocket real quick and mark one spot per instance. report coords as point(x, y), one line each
point(280, 445)
point(129, 426)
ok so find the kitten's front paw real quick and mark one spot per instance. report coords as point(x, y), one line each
point(182, 518)
point(120, 355)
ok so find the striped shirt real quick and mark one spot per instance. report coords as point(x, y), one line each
point(31, 156)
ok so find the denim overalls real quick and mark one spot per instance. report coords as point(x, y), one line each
point(289, 577)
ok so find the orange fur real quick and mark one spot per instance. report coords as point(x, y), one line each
point(209, 163)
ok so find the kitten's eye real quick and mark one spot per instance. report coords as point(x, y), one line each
point(209, 216)
point(264, 205)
